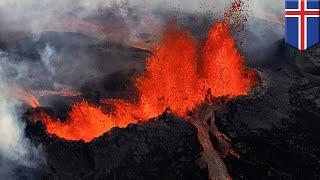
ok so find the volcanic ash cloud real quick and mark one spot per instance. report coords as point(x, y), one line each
point(15, 149)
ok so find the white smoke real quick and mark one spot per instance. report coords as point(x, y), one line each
point(265, 29)
point(13, 144)
point(46, 58)
point(36, 11)
point(35, 14)
point(265, 8)
point(40, 15)
point(15, 149)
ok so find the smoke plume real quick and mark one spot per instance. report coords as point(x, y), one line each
point(15, 149)
point(136, 16)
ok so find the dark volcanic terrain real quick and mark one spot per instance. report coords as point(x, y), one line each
point(163, 148)
point(276, 128)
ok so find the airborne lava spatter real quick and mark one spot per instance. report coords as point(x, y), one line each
point(176, 77)
point(224, 70)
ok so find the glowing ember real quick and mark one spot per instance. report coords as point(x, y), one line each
point(175, 77)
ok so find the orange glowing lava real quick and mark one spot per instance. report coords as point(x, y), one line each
point(223, 66)
point(178, 76)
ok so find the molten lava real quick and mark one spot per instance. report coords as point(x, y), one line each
point(178, 76)
point(171, 78)
point(223, 66)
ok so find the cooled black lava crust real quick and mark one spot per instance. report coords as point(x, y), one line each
point(276, 128)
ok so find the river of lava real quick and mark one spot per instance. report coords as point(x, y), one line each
point(178, 75)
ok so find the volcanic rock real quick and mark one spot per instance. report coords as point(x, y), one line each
point(162, 148)
point(275, 129)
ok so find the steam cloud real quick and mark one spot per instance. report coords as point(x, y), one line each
point(37, 16)
point(15, 149)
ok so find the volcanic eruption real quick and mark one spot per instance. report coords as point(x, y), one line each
point(179, 75)
point(184, 77)
point(163, 89)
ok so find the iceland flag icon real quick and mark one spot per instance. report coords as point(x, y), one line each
point(302, 23)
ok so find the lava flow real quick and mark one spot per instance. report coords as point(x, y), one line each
point(178, 76)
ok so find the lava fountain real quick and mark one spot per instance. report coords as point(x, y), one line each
point(179, 75)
